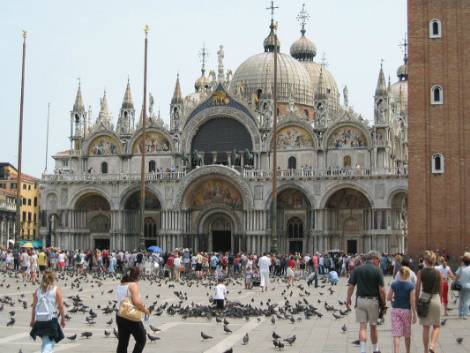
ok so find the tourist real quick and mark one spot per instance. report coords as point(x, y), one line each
point(264, 263)
point(370, 296)
point(412, 278)
point(446, 273)
point(220, 292)
point(61, 260)
point(25, 264)
point(402, 296)
point(34, 267)
point(177, 266)
point(249, 276)
point(47, 303)
point(42, 260)
point(463, 278)
point(428, 288)
point(290, 271)
point(214, 263)
point(333, 278)
point(128, 318)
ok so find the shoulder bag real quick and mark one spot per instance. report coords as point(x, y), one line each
point(127, 310)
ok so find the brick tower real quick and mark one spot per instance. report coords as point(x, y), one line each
point(439, 125)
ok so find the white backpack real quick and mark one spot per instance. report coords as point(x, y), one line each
point(45, 310)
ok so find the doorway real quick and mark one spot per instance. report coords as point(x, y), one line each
point(295, 246)
point(221, 240)
point(352, 246)
point(102, 244)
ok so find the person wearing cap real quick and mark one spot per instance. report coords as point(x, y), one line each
point(463, 277)
point(370, 296)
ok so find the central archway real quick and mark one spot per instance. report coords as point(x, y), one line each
point(346, 223)
point(219, 226)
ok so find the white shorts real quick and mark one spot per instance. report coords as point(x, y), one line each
point(264, 279)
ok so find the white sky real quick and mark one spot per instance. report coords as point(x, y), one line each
point(102, 43)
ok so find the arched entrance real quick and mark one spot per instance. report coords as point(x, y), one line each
point(347, 211)
point(97, 214)
point(294, 219)
point(219, 227)
point(152, 216)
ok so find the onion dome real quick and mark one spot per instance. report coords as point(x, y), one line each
point(303, 48)
point(271, 40)
point(399, 89)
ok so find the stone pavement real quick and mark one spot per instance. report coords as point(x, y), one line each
point(183, 335)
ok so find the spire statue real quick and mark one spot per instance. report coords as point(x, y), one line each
point(346, 96)
point(220, 59)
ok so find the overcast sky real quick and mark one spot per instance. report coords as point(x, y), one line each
point(102, 43)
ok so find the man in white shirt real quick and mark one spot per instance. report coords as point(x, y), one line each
point(263, 263)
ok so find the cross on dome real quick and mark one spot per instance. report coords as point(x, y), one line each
point(303, 18)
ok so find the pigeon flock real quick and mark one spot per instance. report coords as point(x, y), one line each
point(291, 306)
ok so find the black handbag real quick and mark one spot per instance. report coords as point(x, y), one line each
point(422, 306)
point(456, 286)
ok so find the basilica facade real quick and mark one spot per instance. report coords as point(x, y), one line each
point(342, 180)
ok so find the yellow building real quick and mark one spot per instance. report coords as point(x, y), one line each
point(29, 211)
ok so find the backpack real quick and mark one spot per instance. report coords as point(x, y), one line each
point(44, 309)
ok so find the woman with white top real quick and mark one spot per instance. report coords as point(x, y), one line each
point(463, 278)
point(34, 267)
point(446, 273)
point(47, 304)
point(129, 288)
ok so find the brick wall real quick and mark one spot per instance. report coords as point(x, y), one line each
point(439, 205)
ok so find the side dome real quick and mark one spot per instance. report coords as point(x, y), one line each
point(255, 75)
point(329, 81)
point(399, 89)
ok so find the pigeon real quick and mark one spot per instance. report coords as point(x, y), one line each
point(205, 337)
point(443, 322)
point(107, 333)
point(227, 330)
point(459, 340)
point(86, 334)
point(11, 322)
point(72, 338)
point(356, 342)
point(275, 336)
point(246, 338)
point(273, 320)
point(154, 329)
point(152, 338)
point(344, 328)
point(278, 344)
point(230, 350)
point(110, 322)
point(290, 340)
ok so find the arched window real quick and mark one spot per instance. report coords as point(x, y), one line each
point(292, 163)
point(437, 163)
point(437, 95)
point(347, 162)
point(152, 167)
point(104, 168)
point(295, 228)
point(435, 29)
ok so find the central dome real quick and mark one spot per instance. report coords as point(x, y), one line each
point(256, 75)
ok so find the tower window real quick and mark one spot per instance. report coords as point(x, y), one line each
point(104, 168)
point(438, 163)
point(291, 163)
point(435, 29)
point(437, 95)
point(152, 167)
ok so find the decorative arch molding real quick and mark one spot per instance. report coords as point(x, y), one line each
point(291, 185)
point(106, 135)
point(295, 122)
point(205, 216)
point(394, 192)
point(130, 190)
point(138, 133)
point(90, 190)
point(192, 126)
point(341, 186)
point(357, 125)
point(229, 174)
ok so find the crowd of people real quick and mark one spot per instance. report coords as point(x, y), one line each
point(419, 290)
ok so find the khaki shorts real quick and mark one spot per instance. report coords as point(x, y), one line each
point(367, 310)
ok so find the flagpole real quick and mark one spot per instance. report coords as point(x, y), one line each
point(47, 134)
point(20, 146)
point(274, 245)
point(142, 148)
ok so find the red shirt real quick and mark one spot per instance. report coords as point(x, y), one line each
point(291, 263)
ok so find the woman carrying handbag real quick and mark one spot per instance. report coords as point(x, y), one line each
point(130, 312)
point(428, 303)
